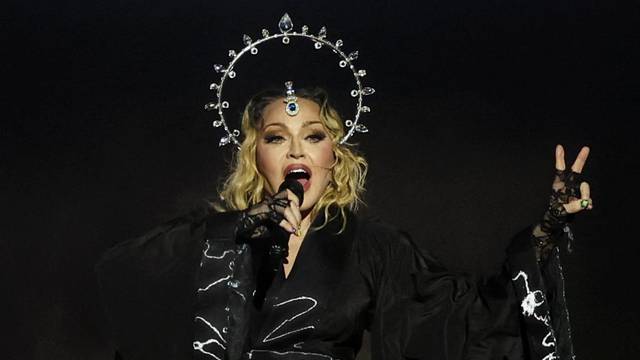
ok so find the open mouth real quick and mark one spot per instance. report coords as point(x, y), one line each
point(301, 175)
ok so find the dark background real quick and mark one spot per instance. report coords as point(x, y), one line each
point(104, 136)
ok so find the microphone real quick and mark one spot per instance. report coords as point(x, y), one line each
point(280, 246)
point(278, 250)
point(295, 187)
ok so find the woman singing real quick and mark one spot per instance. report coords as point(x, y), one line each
point(264, 275)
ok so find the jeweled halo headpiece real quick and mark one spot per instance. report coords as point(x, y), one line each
point(286, 33)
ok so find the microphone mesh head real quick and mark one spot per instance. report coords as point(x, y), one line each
point(295, 187)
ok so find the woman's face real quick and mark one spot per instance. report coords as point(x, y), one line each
point(296, 145)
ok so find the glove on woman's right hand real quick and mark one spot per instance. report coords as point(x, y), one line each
point(281, 208)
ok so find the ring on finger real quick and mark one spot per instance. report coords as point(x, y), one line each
point(584, 203)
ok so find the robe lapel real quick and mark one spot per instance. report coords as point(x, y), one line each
point(295, 306)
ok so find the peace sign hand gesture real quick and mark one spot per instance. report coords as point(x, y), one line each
point(569, 195)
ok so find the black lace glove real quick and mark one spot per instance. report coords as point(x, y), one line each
point(569, 196)
point(254, 222)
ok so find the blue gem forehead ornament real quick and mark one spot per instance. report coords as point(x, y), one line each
point(291, 101)
point(286, 33)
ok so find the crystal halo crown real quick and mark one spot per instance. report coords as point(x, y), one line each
point(285, 26)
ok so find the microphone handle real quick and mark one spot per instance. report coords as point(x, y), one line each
point(271, 262)
point(279, 250)
point(280, 247)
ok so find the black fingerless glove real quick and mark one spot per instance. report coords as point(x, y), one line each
point(566, 187)
point(253, 222)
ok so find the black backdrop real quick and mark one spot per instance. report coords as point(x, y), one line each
point(104, 136)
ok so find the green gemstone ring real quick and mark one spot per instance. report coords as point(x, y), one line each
point(584, 203)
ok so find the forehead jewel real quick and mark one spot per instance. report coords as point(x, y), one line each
point(291, 106)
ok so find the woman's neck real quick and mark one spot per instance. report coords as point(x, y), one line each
point(305, 223)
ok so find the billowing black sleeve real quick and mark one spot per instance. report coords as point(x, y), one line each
point(148, 285)
point(423, 311)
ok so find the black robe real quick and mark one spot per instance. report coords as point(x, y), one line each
point(185, 290)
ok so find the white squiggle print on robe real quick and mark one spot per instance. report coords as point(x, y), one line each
point(215, 282)
point(270, 336)
point(285, 353)
point(217, 257)
point(529, 305)
point(199, 345)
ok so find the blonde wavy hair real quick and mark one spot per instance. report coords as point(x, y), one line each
point(245, 186)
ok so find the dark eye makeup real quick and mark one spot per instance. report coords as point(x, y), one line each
point(269, 138)
point(316, 136)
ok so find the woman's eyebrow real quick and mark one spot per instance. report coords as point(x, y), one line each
point(307, 123)
point(274, 124)
point(304, 124)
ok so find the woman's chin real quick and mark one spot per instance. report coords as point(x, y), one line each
point(306, 207)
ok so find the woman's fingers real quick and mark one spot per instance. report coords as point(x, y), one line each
point(291, 196)
point(578, 165)
point(285, 224)
point(290, 213)
point(560, 165)
point(291, 217)
point(585, 194)
point(584, 202)
point(575, 206)
point(295, 206)
point(585, 190)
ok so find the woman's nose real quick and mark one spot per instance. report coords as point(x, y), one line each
point(295, 150)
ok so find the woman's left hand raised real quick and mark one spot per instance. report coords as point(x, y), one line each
point(569, 195)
